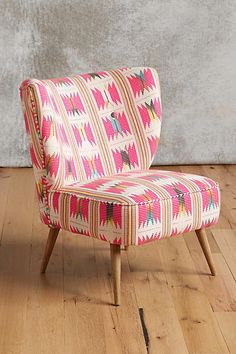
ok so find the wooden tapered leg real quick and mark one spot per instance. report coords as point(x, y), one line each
point(52, 237)
point(202, 238)
point(116, 270)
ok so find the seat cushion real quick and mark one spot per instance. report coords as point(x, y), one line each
point(136, 207)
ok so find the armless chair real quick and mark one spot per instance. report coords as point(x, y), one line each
point(92, 140)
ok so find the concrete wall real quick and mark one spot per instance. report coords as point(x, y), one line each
point(192, 43)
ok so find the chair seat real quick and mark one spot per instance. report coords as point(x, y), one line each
point(136, 207)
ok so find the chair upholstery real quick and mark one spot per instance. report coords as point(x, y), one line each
point(92, 140)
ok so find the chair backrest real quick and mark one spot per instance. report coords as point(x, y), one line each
point(91, 125)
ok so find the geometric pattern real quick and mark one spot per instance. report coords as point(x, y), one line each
point(92, 140)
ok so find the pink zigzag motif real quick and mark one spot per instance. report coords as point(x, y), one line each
point(125, 157)
point(210, 197)
point(114, 93)
point(111, 213)
point(73, 104)
point(210, 181)
point(92, 76)
point(83, 133)
point(33, 157)
point(153, 177)
point(115, 125)
point(157, 105)
point(149, 213)
point(77, 230)
point(93, 166)
point(62, 81)
point(94, 185)
point(89, 133)
point(133, 155)
point(181, 202)
point(70, 169)
point(153, 143)
point(187, 229)
point(210, 221)
point(98, 98)
point(145, 239)
point(149, 78)
point(98, 165)
point(117, 241)
point(141, 81)
point(44, 218)
point(144, 115)
point(43, 95)
point(150, 111)
point(55, 201)
point(78, 103)
point(79, 208)
point(119, 187)
point(102, 237)
point(52, 164)
point(55, 224)
point(118, 160)
point(102, 73)
point(117, 215)
point(86, 77)
point(125, 68)
point(175, 230)
point(48, 128)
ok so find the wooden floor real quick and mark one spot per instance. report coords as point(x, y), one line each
point(170, 304)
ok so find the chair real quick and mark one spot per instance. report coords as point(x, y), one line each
point(92, 140)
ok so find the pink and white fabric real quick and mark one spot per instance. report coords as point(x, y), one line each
point(92, 140)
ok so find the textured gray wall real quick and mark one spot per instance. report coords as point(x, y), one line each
point(191, 43)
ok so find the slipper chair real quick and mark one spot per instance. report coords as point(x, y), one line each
point(93, 138)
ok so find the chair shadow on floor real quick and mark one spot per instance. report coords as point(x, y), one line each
point(76, 272)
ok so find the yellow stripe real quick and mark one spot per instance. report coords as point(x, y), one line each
point(128, 111)
point(137, 118)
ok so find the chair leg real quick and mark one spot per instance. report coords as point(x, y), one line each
point(52, 237)
point(116, 270)
point(202, 238)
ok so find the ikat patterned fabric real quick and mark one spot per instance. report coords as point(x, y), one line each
point(92, 140)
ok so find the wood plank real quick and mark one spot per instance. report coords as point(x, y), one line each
point(168, 279)
point(161, 320)
point(152, 293)
point(5, 179)
point(226, 240)
point(122, 324)
point(201, 331)
point(45, 303)
point(84, 329)
point(227, 323)
point(14, 261)
point(215, 288)
point(89, 299)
